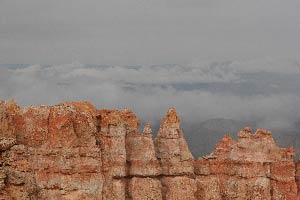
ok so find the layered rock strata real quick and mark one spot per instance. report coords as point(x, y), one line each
point(175, 159)
point(253, 167)
point(74, 151)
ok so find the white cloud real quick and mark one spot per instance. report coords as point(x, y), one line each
point(199, 91)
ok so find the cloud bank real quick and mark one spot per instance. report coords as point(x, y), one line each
point(266, 91)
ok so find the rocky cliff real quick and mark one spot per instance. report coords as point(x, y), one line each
point(74, 151)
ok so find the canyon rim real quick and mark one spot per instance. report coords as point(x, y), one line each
point(74, 151)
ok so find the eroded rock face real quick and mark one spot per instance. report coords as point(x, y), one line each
point(253, 167)
point(145, 188)
point(74, 151)
point(8, 112)
point(141, 154)
point(172, 149)
point(55, 155)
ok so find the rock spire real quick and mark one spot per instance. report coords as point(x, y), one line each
point(74, 151)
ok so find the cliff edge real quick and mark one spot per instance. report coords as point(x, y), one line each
point(74, 151)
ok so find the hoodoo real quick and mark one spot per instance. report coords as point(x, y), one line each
point(74, 151)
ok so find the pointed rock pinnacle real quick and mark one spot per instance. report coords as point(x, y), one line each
point(171, 119)
point(147, 130)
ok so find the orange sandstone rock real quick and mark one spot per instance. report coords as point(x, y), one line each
point(145, 188)
point(141, 154)
point(171, 148)
point(74, 151)
point(179, 187)
point(8, 112)
point(55, 155)
point(253, 167)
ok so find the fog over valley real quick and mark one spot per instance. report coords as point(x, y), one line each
point(212, 98)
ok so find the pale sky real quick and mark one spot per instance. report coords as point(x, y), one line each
point(124, 32)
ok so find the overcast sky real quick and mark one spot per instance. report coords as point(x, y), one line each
point(234, 59)
point(125, 32)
